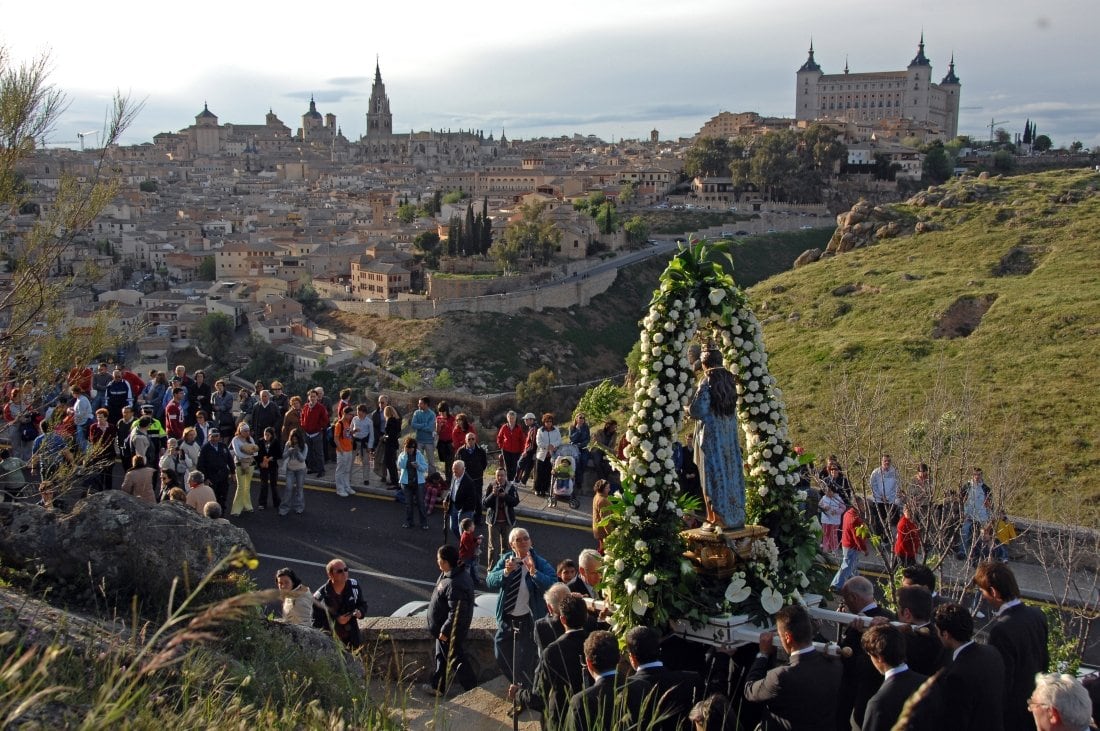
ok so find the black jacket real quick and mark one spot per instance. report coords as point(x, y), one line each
point(215, 462)
point(559, 676)
point(973, 690)
point(611, 703)
point(452, 605)
point(861, 679)
point(329, 605)
point(885, 706)
point(466, 498)
point(1020, 635)
point(673, 695)
point(507, 502)
point(263, 417)
point(800, 696)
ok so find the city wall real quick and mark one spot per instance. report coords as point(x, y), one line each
point(563, 295)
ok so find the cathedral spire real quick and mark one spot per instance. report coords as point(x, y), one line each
point(377, 70)
point(951, 78)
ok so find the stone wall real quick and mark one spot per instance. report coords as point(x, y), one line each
point(403, 650)
point(548, 296)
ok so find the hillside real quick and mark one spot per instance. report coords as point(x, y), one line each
point(903, 318)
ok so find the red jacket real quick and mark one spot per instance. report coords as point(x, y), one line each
point(907, 544)
point(458, 437)
point(848, 536)
point(314, 418)
point(512, 438)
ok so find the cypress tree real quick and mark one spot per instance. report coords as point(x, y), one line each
point(469, 243)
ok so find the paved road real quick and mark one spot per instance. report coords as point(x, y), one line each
point(396, 565)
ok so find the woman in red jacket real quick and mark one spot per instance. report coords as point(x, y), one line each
point(907, 544)
point(444, 428)
point(511, 438)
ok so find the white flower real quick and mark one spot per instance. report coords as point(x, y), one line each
point(771, 601)
point(656, 351)
point(716, 296)
point(669, 360)
point(652, 507)
point(654, 496)
point(781, 480)
point(686, 567)
point(669, 421)
point(641, 603)
point(638, 500)
point(650, 578)
point(670, 372)
point(737, 591)
point(620, 564)
point(738, 342)
point(630, 585)
point(762, 491)
point(800, 495)
point(639, 545)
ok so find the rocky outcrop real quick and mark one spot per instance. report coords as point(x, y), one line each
point(865, 225)
point(809, 256)
point(112, 546)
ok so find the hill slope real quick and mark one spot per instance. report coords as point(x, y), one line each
point(1021, 387)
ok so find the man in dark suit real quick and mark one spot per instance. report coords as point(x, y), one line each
point(885, 646)
point(589, 568)
point(610, 703)
point(462, 497)
point(803, 694)
point(1020, 635)
point(550, 627)
point(560, 673)
point(973, 685)
point(924, 652)
point(860, 679)
point(922, 575)
point(674, 692)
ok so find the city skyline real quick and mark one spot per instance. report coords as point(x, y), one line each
point(614, 69)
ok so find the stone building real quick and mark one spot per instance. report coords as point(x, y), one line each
point(880, 96)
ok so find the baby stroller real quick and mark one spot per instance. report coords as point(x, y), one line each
point(562, 483)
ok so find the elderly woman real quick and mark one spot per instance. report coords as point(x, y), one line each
point(244, 451)
point(547, 441)
point(139, 481)
point(297, 598)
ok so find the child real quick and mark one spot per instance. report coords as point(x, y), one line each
point(469, 546)
point(434, 486)
point(907, 544)
point(832, 510)
point(1005, 533)
point(563, 481)
point(567, 571)
point(987, 548)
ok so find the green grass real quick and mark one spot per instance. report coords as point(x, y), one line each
point(1032, 362)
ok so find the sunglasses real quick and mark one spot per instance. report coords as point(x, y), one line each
point(340, 571)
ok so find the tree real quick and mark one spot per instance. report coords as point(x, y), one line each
point(709, 157)
point(938, 166)
point(1042, 143)
point(29, 108)
point(533, 235)
point(536, 392)
point(606, 219)
point(627, 193)
point(214, 333)
point(309, 298)
point(1076, 146)
point(207, 269)
point(601, 401)
point(1004, 161)
point(406, 213)
point(453, 197)
point(637, 231)
point(1001, 136)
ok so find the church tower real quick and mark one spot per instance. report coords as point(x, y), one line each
point(807, 88)
point(379, 119)
point(951, 87)
point(915, 99)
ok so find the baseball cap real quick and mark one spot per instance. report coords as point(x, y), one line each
point(529, 415)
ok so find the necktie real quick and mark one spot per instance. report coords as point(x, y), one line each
point(511, 590)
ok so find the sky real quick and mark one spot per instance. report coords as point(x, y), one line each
point(612, 68)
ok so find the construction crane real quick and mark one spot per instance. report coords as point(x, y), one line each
point(82, 135)
point(993, 123)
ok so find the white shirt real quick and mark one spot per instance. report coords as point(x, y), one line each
point(955, 654)
point(884, 485)
point(895, 671)
point(1006, 606)
point(363, 429)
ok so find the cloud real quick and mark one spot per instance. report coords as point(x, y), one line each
point(349, 80)
point(326, 96)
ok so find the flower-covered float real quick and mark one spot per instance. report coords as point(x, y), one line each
point(648, 580)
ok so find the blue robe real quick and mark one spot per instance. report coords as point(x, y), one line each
point(720, 469)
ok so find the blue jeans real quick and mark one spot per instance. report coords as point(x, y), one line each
point(415, 494)
point(849, 567)
point(454, 518)
point(294, 497)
